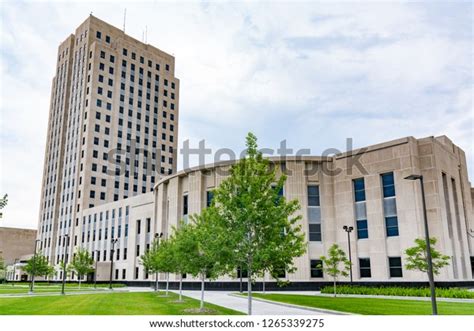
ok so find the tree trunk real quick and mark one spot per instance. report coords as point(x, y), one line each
point(181, 288)
point(263, 284)
point(32, 285)
point(334, 286)
point(167, 282)
point(80, 280)
point(249, 285)
point(203, 280)
point(156, 282)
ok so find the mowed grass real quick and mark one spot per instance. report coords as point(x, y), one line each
point(369, 306)
point(144, 303)
point(49, 288)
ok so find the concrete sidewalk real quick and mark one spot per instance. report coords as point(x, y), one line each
point(259, 307)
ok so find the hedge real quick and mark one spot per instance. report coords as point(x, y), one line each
point(458, 293)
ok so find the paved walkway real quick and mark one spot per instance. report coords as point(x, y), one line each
point(259, 307)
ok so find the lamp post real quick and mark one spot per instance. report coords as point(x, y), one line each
point(113, 241)
point(95, 271)
point(434, 307)
point(65, 244)
point(157, 237)
point(32, 283)
point(349, 229)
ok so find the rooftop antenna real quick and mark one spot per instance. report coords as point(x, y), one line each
point(124, 18)
point(146, 34)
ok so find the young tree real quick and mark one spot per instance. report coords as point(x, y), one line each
point(209, 249)
point(259, 222)
point(37, 265)
point(181, 246)
point(416, 258)
point(150, 261)
point(336, 264)
point(164, 260)
point(82, 263)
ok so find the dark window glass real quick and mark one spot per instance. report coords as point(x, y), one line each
point(391, 225)
point(316, 269)
point(185, 205)
point(388, 185)
point(209, 197)
point(395, 265)
point(364, 268)
point(359, 189)
point(314, 232)
point(362, 229)
point(313, 195)
point(245, 273)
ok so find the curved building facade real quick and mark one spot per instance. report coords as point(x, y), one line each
point(365, 189)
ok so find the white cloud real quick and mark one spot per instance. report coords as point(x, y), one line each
point(312, 73)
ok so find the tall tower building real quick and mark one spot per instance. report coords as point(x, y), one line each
point(112, 129)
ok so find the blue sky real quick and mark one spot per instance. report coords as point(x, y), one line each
point(313, 73)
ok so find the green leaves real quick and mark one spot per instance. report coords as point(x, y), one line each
point(262, 229)
point(416, 257)
point(82, 262)
point(211, 252)
point(336, 264)
point(37, 265)
point(150, 260)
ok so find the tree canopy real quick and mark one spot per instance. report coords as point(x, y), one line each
point(262, 229)
point(335, 264)
point(37, 265)
point(82, 263)
point(416, 257)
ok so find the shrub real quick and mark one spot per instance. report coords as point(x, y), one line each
point(453, 292)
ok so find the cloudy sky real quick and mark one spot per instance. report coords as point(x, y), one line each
point(313, 73)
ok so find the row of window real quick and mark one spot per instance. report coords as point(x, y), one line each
point(394, 264)
point(360, 208)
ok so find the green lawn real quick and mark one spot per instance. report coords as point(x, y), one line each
point(50, 288)
point(369, 306)
point(145, 303)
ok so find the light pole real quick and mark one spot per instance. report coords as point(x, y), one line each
point(113, 241)
point(349, 229)
point(32, 283)
point(434, 307)
point(157, 237)
point(95, 271)
point(65, 244)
